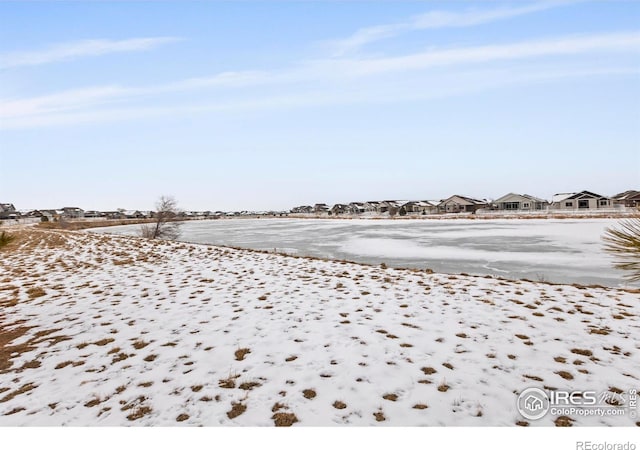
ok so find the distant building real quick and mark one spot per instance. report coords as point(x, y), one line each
point(339, 208)
point(421, 207)
point(8, 211)
point(520, 202)
point(305, 209)
point(460, 203)
point(630, 199)
point(584, 200)
point(72, 212)
point(356, 207)
point(320, 208)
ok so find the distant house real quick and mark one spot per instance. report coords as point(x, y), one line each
point(372, 206)
point(304, 209)
point(356, 207)
point(8, 211)
point(390, 205)
point(520, 202)
point(421, 207)
point(320, 208)
point(460, 203)
point(580, 201)
point(630, 199)
point(34, 213)
point(93, 214)
point(339, 208)
point(133, 214)
point(72, 212)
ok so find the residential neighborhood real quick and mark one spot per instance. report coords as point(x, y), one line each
point(583, 201)
point(457, 204)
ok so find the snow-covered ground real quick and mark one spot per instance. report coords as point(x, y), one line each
point(557, 250)
point(114, 330)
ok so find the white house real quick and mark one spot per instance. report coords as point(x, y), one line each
point(584, 200)
point(460, 203)
point(520, 202)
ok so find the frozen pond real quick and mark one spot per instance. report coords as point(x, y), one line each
point(567, 251)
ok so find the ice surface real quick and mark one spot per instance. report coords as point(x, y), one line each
point(561, 250)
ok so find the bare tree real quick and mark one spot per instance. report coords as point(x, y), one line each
point(624, 244)
point(166, 224)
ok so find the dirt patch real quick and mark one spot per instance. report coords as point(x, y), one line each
point(379, 416)
point(182, 417)
point(420, 406)
point(339, 405)
point(390, 397)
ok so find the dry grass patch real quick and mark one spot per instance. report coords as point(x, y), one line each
point(241, 353)
point(140, 344)
point(249, 385)
point(309, 394)
point(139, 413)
point(428, 370)
point(35, 292)
point(379, 416)
point(282, 419)
point(390, 397)
point(182, 417)
point(339, 405)
point(420, 406)
point(564, 374)
point(564, 421)
point(583, 352)
point(236, 410)
point(11, 395)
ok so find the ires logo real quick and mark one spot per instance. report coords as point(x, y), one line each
point(534, 403)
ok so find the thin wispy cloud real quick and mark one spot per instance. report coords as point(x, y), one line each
point(79, 49)
point(434, 20)
point(334, 77)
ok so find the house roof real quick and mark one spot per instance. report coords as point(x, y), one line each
point(531, 198)
point(561, 197)
point(626, 195)
point(470, 200)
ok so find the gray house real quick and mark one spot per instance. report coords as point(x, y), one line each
point(421, 207)
point(629, 199)
point(8, 211)
point(460, 203)
point(520, 202)
point(72, 212)
point(584, 200)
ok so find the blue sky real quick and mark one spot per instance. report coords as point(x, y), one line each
point(268, 105)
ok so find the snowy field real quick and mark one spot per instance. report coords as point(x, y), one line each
point(115, 330)
point(561, 250)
